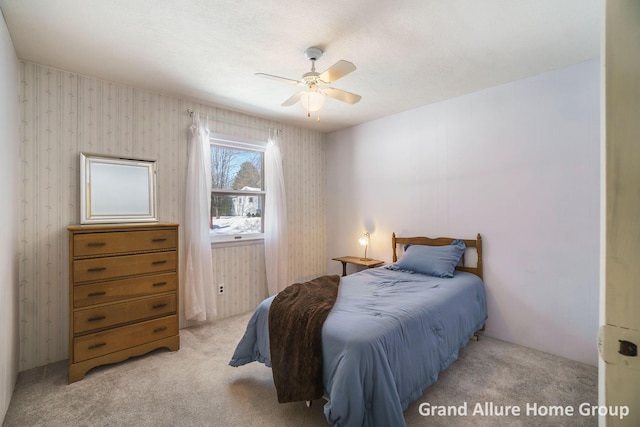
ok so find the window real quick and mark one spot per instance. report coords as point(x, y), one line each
point(237, 190)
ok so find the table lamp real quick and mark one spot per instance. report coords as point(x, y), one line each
point(364, 241)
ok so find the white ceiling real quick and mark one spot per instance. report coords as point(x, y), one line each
point(408, 52)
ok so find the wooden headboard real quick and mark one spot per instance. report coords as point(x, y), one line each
point(442, 241)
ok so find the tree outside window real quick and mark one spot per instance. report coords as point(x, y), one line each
point(237, 190)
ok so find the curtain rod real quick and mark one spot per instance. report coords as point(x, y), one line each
point(231, 122)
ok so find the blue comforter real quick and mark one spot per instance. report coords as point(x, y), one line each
point(388, 336)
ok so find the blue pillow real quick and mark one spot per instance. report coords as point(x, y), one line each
point(438, 261)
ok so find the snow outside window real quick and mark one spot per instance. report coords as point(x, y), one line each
point(237, 190)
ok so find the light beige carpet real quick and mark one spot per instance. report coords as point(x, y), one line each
point(196, 387)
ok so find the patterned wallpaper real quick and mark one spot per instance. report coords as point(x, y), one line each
point(63, 114)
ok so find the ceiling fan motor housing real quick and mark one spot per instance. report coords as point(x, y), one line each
point(312, 77)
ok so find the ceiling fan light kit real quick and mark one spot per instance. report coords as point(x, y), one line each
point(311, 101)
point(317, 84)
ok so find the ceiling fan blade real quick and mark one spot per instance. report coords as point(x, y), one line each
point(282, 79)
point(295, 98)
point(341, 95)
point(337, 70)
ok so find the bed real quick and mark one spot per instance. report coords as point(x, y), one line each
point(391, 330)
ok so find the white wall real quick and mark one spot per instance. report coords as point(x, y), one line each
point(518, 163)
point(9, 161)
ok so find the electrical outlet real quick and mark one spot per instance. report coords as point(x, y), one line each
point(221, 289)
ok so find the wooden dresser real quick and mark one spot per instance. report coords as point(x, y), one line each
point(123, 293)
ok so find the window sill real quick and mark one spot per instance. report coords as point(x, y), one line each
point(258, 240)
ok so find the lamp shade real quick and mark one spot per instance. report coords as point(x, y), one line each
point(312, 101)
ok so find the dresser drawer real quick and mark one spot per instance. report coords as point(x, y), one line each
point(90, 244)
point(126, 312)
point(101, 343)
point(120, 289)
point(94, 269)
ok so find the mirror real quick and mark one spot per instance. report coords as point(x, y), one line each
point(115, 189)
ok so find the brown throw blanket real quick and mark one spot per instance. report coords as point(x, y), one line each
point(296, 317)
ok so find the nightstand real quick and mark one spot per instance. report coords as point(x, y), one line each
point(369, 263)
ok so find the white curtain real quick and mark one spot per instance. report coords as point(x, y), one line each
point(199, 292)
point(275, 218)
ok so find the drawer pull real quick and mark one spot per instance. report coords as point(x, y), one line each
point(97, 294)
point(160, 329)
point(155, 307)
point(164, 261)
point(155, 285)
point(98, 345)
point(95, 244)
point(96, 318)
point(96, 269)
point(159, 239)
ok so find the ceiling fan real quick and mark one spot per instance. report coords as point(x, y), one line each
point(317, 84)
